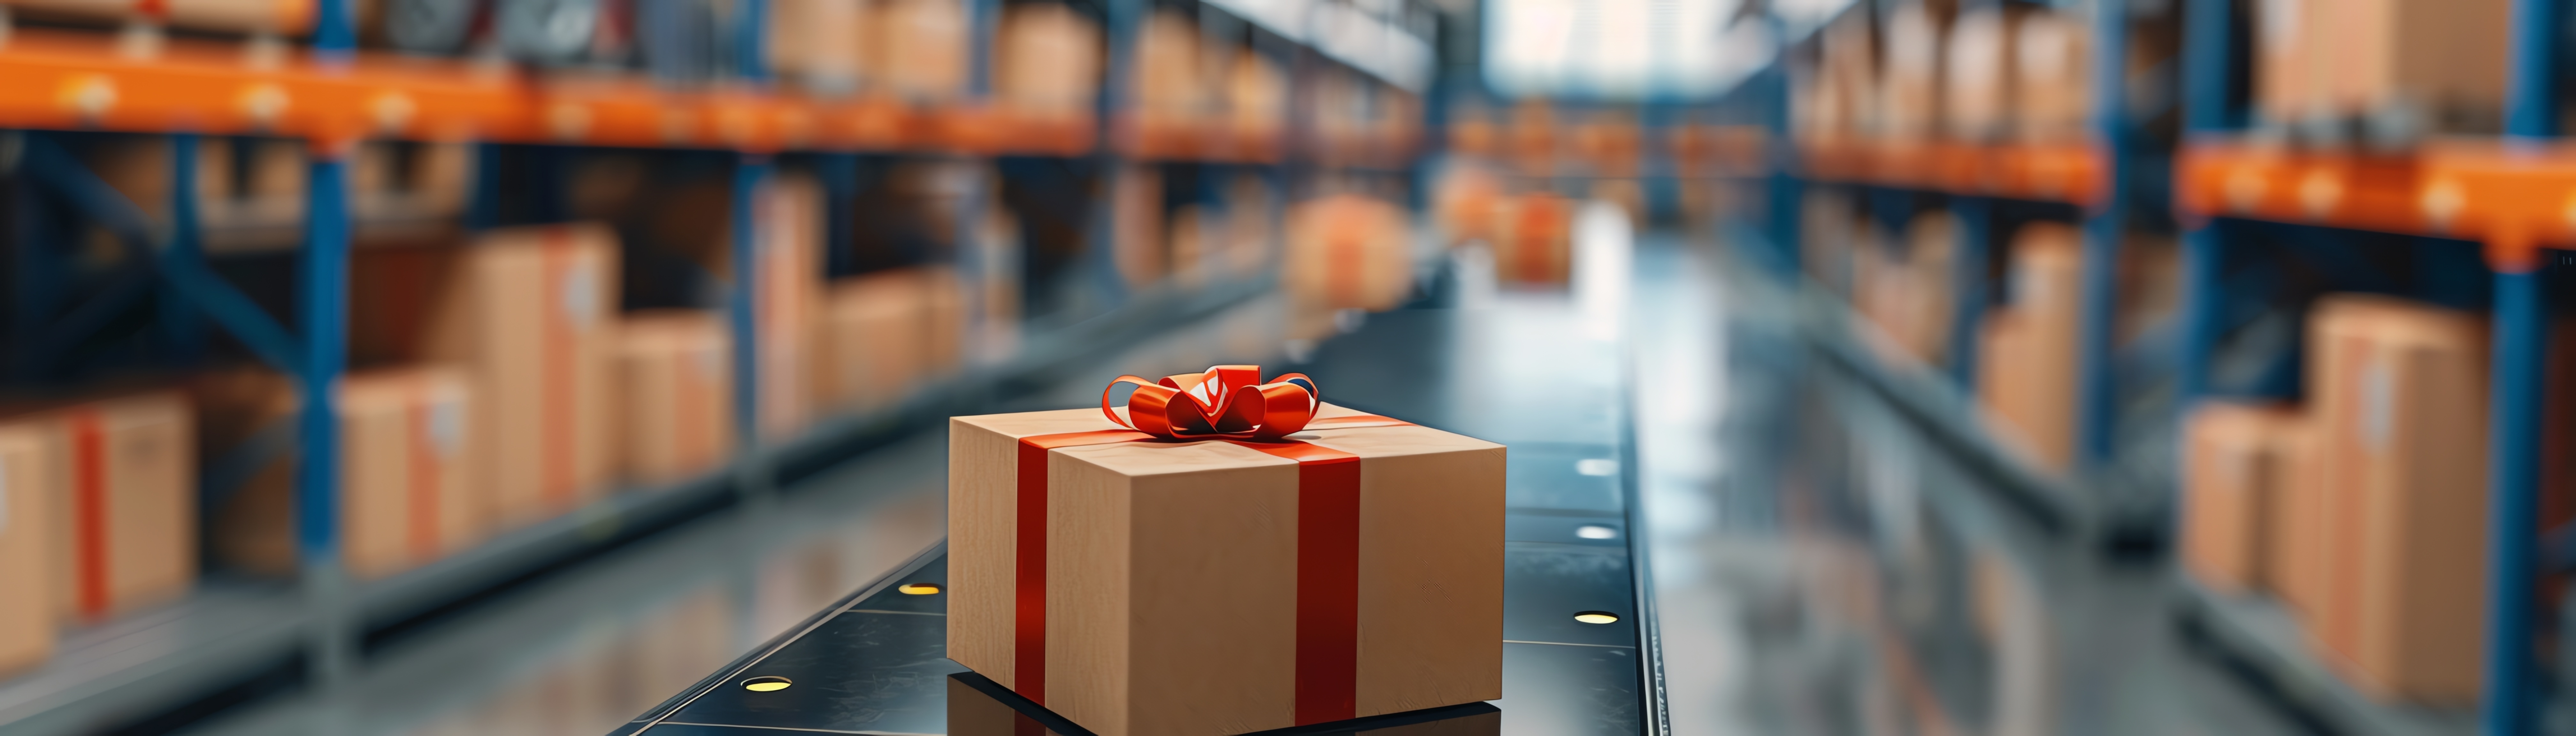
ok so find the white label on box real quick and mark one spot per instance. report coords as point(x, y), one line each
point(2378, 413)
point(447, 426)
point(581, 297)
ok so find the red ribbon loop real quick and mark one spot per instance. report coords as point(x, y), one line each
point(1226, 402)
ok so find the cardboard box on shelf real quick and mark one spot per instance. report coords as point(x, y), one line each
point(1348, 252)
point(118, 481)
point(1910, 89)
point(876, 340)
point(2411, 67)
point(1156, 591)
point(1534, 240)
point(271, 17)
point(675, 377)
point(409, 486)
point(2233, 492)
point(817, 43)
point(944, 303)
point(1136, 241)
point(2052, 58)
point(1047, 64)
point(920, 50)
point(790, 237)
point(2030, 358)
point(1978, 74)
point(529, 314)
point(2400, 389)
point(26, 544)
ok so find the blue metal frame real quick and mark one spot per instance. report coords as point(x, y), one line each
point(2205, 110)
point(1786, 192)
point(749, 176)
point(2521, 346)
point(2104, 227)
point(180, 324)
point(1976, 216)
point(324, 291)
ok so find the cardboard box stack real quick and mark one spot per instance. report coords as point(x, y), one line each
point(113, 479)
point(408, 477)
point(1173, 91)
point(529, 314)
point(789, 258)
point(676, 392)
point(2402, 68)
point(1136, 241)
point(816, 43)
point(1908, 293)
point(2400, 395)
point(2026, 351)
point(1910, 83)
point(920, 50)
point(2239, 465)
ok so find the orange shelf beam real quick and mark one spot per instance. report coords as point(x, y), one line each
point(78, 81)
point(2047, 173)
point(2515, 198)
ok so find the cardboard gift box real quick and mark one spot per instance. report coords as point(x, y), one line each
point(1140, 584)
point(117, 477)
point(2234, 464)
point(675, 378)
point(2400, 389)
point(26, 540)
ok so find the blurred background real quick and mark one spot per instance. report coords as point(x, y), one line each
point(1886, 366)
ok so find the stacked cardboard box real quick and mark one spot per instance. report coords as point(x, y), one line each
point(2238, 468)
point(111, 479)
point(675, 386)
point(788, 256)
point(1979, 72)
point(1908, 293)
point(2400, 392)
point(2026, 352)
point(2405, 68)
point(407, 473)
point(919, 50)
point(1136, 240)
point(816, 43)
point(1910, 84)
point(1173, 94)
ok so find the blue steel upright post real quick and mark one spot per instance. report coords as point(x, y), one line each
point(2205, 112)
point(324, 303)
point(2104, 227)
point(184, 328)
point(1785, 192)
point(2521, 346)
point(1976, 217)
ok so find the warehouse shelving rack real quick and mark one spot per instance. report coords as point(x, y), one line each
point(2512, 197)
point(2094, 178)
point(230, 635)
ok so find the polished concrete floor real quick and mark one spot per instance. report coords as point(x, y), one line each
point(1816, 566)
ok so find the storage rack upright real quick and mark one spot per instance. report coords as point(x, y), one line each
point(333, 95)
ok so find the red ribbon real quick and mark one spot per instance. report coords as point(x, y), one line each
point(1227, 403)
point(90, 591)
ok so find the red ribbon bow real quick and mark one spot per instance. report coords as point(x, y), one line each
point(1227, 401)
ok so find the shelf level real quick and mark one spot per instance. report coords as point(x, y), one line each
point(2515, 197)
point(2070, 173)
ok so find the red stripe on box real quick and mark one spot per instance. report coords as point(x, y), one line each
point(89, 514)
point(1328, 579)
point(1028, 622)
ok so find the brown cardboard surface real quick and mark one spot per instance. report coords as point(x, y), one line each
point(407, 474)
point(876, 340)
point(122, 496)
point(675, 381)
point(2402, 389)
point(790, 236)
point(26, 541)
point(2039, 400)
point(1172, 572)
point(2233, 464)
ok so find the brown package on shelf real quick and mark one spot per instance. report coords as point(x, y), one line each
point(2031, 346)
point(1534, 240)
point(1348, 252)
point(1908, 294)
point(817, 43)
point(920, 49)
point(1978, 74)
point(2400, 391)
point(1294, 596)
point(1136, 233)
point(2232, 488)
point(408, 491)
point(876, 340)
point(409, 486)
point(944, 303)
point(1257, 100)
point(789, 255)
point(529, 314)
point(27, 613)
point(1172, 90)
point(2052, 58)
point(1910, 88)
point(118, 483)
point(675, 374)
point(2297, 527)
point(2408, 67)
point(1047, 64)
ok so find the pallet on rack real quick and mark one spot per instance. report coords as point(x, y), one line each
point(2256, 638)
